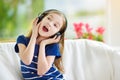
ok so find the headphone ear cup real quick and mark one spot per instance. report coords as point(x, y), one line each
point(58, 34)
point(40, 18)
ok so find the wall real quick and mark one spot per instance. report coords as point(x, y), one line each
point(113, 23)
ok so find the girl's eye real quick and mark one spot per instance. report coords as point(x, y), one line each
point(55, 25)
point(48, 18)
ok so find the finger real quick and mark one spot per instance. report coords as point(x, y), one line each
point(55, 37)
point(39, 24)
point(58, 38)
point(36, 20)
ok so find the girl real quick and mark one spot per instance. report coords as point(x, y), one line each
point(41, 58)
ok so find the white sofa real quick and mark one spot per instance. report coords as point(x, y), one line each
point(83, 60)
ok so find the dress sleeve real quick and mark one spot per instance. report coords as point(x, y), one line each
point(53, 50)
point(21, 39)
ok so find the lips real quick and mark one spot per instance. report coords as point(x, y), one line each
point(45, 29)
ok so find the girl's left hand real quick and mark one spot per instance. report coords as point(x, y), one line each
point(55, 39)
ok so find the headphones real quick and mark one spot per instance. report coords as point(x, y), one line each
point(40, 17)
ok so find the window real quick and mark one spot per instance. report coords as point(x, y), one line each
point(86, 11)
point(16, 19)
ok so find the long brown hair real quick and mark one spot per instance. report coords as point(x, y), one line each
point(58, 62)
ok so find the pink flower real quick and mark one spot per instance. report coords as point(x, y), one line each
point(100, 30)
point(86, 32)
point(88, 29)
point(78, 29)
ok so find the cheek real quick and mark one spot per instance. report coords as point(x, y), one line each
point(54, 31)
point(39, 29)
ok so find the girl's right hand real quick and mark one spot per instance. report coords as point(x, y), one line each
point(35, 28)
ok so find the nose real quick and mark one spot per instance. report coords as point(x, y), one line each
point(51, 24)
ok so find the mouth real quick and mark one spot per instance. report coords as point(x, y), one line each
point(45, 29)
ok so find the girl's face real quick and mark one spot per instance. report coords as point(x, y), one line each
point(50, 25)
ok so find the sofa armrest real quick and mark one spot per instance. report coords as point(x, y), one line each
point(9, 62)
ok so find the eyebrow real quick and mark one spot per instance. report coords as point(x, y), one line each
point(51, 16)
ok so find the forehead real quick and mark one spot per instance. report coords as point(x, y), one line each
point(56, 17)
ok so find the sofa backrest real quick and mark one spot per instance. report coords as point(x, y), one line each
point(83, 60)
point(90, 60)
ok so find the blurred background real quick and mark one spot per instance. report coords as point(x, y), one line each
point(16, 17)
